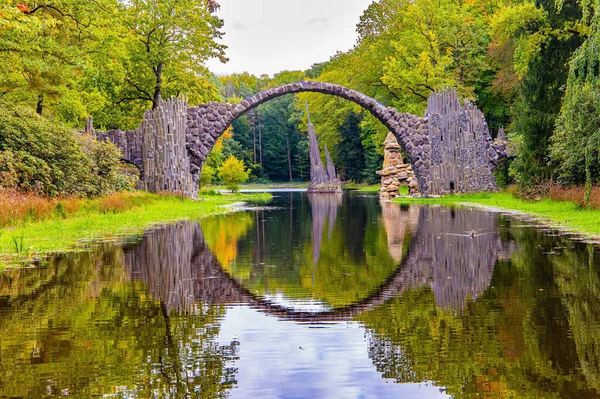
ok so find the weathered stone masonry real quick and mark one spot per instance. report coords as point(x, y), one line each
point(419, 140)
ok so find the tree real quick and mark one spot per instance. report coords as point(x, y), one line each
point(350, 152)
point(575, 142)
point(45, 51)
point(207, 175)
point(233, 173)
point(168, 42)
point(544, 36)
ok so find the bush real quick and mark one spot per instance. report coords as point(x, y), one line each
point(233, 172)
point(207, 175)
point(44, 157)
point(209, 193)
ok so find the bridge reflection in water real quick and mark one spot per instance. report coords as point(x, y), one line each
point(154, 319)
point(434, 246)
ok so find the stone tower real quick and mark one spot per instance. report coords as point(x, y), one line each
point(395, 171)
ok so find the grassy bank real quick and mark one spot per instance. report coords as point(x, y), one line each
point(362, 187)
point(563, 214)
point(117, 216)
point(256, 186)
point(373, 188)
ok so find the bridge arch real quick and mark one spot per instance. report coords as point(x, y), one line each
point(207, 122)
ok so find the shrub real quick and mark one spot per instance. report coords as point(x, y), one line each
point(209, 193)
point(44, 157)
point(105, 167)
point(207, 175)
point(233, 172)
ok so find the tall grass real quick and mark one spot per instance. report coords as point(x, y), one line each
point(17, 208)
point(575, 194)
point(38, 225)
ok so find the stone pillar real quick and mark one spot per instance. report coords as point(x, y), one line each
point(395, 171)
point(322, 180)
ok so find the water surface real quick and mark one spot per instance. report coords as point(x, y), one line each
point(320, 296)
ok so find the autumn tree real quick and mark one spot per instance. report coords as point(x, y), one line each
point(233, 173)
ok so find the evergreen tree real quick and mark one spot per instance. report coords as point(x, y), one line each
point(350, 151)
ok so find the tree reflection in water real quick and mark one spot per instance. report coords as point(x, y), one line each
point(505, 311)
point(85, 326)
point(529, 326)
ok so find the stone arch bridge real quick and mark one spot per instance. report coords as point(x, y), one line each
point(450, 148)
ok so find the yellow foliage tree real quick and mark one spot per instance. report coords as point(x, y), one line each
point(233, 172)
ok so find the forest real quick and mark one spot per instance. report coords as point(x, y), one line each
point(532, 67)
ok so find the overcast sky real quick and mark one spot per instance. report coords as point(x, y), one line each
point(269, 36)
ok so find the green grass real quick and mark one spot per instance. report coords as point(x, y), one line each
point(373, 188)
point(557, 213)
point(31, 239)
point(361, 187)
point(256, 186)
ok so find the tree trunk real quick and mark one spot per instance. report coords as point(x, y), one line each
point(157, 88)
point(40, 104)
point(287, 143)
point(259, 143)
point(254, 135)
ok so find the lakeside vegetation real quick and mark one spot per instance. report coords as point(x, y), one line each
point(559, 213)
point(116, 217)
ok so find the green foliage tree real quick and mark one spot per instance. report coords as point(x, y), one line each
point(545, 35)
point(167, 43)
point(207, 175)
point(45, 51)
point(108, 58)
point(575, 142)
point(350, 152)
point(233, 173)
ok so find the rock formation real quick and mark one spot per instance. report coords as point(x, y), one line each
point(395, 171)
point(330, 168)
point(321, 180)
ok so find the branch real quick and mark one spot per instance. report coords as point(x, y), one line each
point(377, 84)
point(426, 86)
point(122, 100)
point(276, 121)
point(138, 88)
point(64, 14)
point(417, 94)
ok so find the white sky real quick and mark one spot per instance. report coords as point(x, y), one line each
point(269, 36)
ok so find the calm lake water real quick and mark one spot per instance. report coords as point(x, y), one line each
point(318, 296)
